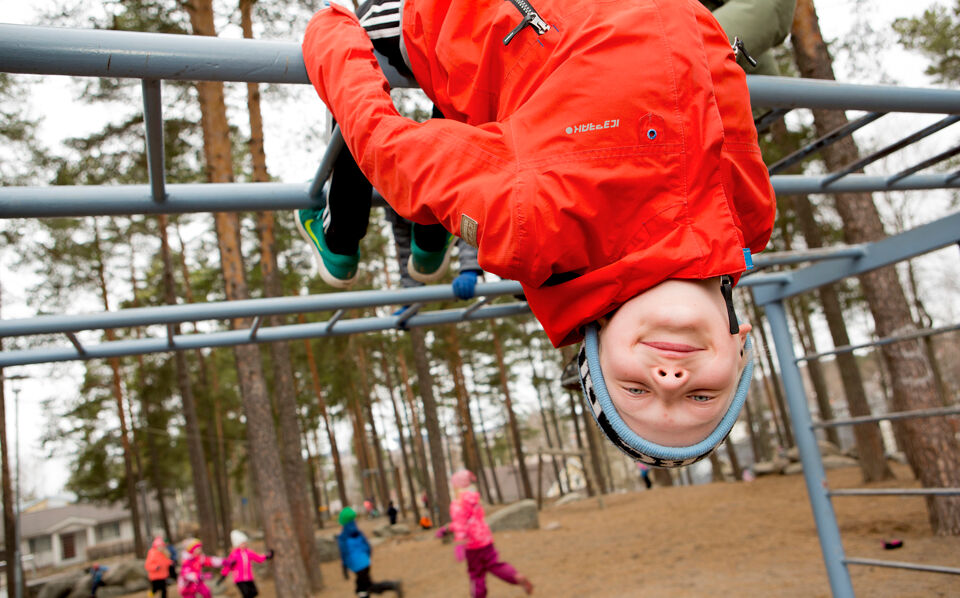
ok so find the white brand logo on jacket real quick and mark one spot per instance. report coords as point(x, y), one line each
point(607, 124)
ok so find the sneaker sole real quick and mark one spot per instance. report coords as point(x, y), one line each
point(435, 276)
point(325, 274)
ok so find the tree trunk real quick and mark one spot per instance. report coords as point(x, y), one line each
point(420, 451)
point(771, 383)
point(203, 494)
point(441, 492)
point(331, 435)
point(261, 435)
point(117, 389)
point(514, 426)
point(801, 318)
point(468, 442)
point(291, 450)
point(6, 485)
point(929, 443)
point(405, 460)
point(367, 402)
point(872, 461)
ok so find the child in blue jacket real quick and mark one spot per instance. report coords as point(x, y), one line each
point(355, 556)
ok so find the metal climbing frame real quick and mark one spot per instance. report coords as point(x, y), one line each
point(155, 57)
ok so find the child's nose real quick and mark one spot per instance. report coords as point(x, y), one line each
point(670, 376)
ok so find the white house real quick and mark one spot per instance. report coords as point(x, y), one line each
point(61, 536)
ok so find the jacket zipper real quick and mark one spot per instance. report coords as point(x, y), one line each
point(530, 17)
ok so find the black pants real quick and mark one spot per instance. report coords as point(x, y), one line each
point(366, 586)
point(248, 589)
point(350, 191)
point(159, 587)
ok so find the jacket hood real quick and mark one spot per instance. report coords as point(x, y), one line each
point(350, 529)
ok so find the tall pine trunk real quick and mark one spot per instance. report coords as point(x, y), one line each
point(929, 443)
point(441, 492)
point(512, 417)
point(416, 432)
point(261, 435)
point(203, 494)
point(117, 389)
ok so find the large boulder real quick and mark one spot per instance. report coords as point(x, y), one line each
point(769, 467)
point(519, 515)
point(327, 549)
point(569, 498)
point(58, 588)
point(81, 587)
point(387, 531)
point(120, 574)
point(838, 461)
point(132, 586)
point(826, 448)
point(793, 468)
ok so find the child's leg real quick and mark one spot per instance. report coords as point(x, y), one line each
point(477, 570)
point(248, 589)
point(203, 590)
point(363, 584)
point(348, 205)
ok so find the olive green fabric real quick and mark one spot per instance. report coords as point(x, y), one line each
point(761, 24)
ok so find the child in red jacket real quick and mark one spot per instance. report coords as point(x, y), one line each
point(602, 154)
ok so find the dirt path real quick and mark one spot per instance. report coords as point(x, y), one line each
point(746, 539)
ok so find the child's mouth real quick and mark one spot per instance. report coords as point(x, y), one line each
point(675, 347)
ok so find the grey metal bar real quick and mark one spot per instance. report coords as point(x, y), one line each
point(782, 258)
point(247, 308)
point(76, 343)
point(951, 178)
point(334, 319)
point(883, 341)
point(483, 301)
point(138, 55)
point(766, 120)
point(153, 123)
point(101, 53)
point(789, 92)
point(408, 313)
point(229, 338)
point(945, 155)
point(896, 492)
point(117, 200)
point(256, 326)
point(900, 565)
point(813, 472)
point(334, 148)
point(886, 151)
point(920, 240)
point(868, 419)
point(824, 141)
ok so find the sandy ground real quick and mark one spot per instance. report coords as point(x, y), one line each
point(722, 539)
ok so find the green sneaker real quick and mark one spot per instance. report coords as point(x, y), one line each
point(429, 266)
point(336, 270)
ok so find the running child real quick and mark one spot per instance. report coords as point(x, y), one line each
point(240, 563)
point(192, 580)
point(157, 565)
point(355, 554)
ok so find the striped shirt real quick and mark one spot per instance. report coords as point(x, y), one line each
point(381, 19)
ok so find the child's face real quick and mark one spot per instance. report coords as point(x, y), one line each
point(670, 363)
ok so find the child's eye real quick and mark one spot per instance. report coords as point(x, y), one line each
point(637, 391)
point(700, 398)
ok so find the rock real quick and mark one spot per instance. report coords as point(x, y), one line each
point(135, 585)
point(769, 467)
point(123, 572)
point(519, 515)
point(552, 526)
point(81, 587)
point(58, 588)
point(793, 468)
point(327, 549)
point(569, 498)
point(838, 461)
point(110, 591)
point(387, 531)
point(826, 448)
point(400, 529)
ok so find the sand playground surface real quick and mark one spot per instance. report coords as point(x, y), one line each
point(754, 539)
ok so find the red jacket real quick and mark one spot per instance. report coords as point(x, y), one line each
point(619, 146)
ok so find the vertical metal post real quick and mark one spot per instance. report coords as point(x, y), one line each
point(153, 123)
point(813, 472)
point(17, 564)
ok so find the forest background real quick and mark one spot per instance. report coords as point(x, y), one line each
point(69, 433)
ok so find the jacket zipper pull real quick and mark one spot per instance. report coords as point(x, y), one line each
point(739, 48)
point(530, 17)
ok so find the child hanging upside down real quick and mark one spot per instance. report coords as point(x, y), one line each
point(604, 155)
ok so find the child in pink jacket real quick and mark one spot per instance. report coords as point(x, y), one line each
point(240, 563)
point(193, 578)
point(469, 527)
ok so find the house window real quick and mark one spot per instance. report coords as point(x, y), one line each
point(40, 544)
point(108, 531)
point(69, 545)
